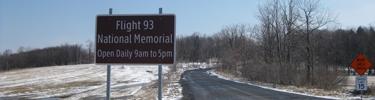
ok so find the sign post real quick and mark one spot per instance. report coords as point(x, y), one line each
point(160, 90)
point(135, 39)
point(108, 92)
point(361, 64)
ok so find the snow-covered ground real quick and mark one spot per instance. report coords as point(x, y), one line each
point(88, 81)
point(76, 81)
point(173, 90)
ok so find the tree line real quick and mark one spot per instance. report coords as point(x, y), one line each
point(291, 45)
point(59, 55)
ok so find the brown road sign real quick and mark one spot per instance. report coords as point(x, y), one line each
point(135, 39)
point(361, 64)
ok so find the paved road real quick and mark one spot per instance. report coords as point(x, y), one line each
point(198, 85)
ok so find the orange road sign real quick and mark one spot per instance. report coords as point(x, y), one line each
point(361, 64)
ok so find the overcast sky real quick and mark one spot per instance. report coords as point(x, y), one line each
point(43, 23)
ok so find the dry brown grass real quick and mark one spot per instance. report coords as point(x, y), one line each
point(150, 91)
point(324, 76)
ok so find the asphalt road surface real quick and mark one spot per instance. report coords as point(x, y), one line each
point(199, 85)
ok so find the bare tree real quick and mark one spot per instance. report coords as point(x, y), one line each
point(90, 47)
point(7, 53)
point(313, 17)
point(281, 23)
point(290, 17)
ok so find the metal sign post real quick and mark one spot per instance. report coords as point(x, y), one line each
point(160, 93)
point(108, 82)
point(108, 92)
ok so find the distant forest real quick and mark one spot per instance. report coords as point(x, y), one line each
point(59, 55)
point(234, 43)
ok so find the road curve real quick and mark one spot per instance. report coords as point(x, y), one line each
point(199, 85)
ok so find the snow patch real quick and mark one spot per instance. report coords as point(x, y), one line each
point(76, 81)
